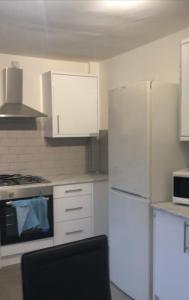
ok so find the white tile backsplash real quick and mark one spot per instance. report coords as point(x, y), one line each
point(23, 149)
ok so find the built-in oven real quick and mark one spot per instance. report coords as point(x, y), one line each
point(26, 214)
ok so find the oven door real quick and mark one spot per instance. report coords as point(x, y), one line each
point(20, 222)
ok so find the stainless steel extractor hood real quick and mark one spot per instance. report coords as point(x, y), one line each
point(13, 106)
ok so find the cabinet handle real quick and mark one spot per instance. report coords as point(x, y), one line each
point(73, 191)
point(74, 208)
point(186, 225)
point(74, 232)
point(58, 124)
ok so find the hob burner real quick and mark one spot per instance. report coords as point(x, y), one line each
point(19, 179)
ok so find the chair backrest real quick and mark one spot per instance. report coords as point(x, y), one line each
point(73, 271)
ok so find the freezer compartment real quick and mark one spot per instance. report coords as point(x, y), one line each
point(129, 239)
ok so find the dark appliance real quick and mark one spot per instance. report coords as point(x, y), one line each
point(9, 199)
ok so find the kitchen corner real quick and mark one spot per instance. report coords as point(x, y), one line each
point(51, 187)
point(64, 162)
point(94, 140)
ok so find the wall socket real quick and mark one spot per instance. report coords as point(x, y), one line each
point(15, 64)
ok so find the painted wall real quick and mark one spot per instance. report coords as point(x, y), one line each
point(23, 148)
point(34, 67)
point(159, 60)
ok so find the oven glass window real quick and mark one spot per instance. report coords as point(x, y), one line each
point(181, 187)
point(26, 219)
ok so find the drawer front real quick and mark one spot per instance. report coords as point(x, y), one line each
point(72, 208)
point(70, 231)
point(72, 190)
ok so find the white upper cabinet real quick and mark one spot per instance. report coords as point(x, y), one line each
point(71, 102)
point(184, 110)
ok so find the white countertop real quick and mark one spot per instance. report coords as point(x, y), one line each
point(61, 180)
point(172, 208)
point(73, 179)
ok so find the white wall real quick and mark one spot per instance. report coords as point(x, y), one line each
point(34, 67)
point(159, 60)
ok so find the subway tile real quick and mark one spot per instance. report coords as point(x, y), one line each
point(24, 150)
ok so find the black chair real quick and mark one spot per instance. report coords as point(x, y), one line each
point(74, 271)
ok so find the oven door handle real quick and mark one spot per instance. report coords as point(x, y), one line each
point(8, 203)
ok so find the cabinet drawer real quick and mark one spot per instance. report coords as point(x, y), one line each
point(70, 231)
point(72, 208)
point(72, 190)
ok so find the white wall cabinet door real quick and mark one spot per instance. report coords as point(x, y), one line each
point(184, 110)
point(171, 257)
point(74, 108)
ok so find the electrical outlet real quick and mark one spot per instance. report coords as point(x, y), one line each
point(15, 64)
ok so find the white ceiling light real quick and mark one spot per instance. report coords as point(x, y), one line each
point(120, 4)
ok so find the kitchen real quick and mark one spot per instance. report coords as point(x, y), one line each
point(23, 146)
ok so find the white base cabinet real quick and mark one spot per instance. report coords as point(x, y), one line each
point(80, 211)
point(73, 212)
point(171, 257)
point(69, 231)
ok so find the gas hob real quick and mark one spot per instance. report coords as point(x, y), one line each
point(19, 179)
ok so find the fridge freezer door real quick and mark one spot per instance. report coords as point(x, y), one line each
point(129, 149)
point(129, 241)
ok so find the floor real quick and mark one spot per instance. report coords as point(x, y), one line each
point(10, 285)
point(117, 294)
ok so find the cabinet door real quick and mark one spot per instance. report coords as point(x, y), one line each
point(71, 208)
point(69, 231)
point(72, 190)
point(184, 91)
point(75, 105)
point(171, 262)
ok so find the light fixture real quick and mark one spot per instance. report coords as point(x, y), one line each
point(121, 3)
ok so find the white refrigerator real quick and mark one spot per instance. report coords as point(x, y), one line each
point(144, 150)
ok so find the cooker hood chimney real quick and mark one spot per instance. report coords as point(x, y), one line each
point(13, 106)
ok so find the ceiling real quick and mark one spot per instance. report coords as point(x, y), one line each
point(88, 29)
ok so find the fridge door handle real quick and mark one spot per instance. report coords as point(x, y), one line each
point(186, 225)
point(128, 193)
